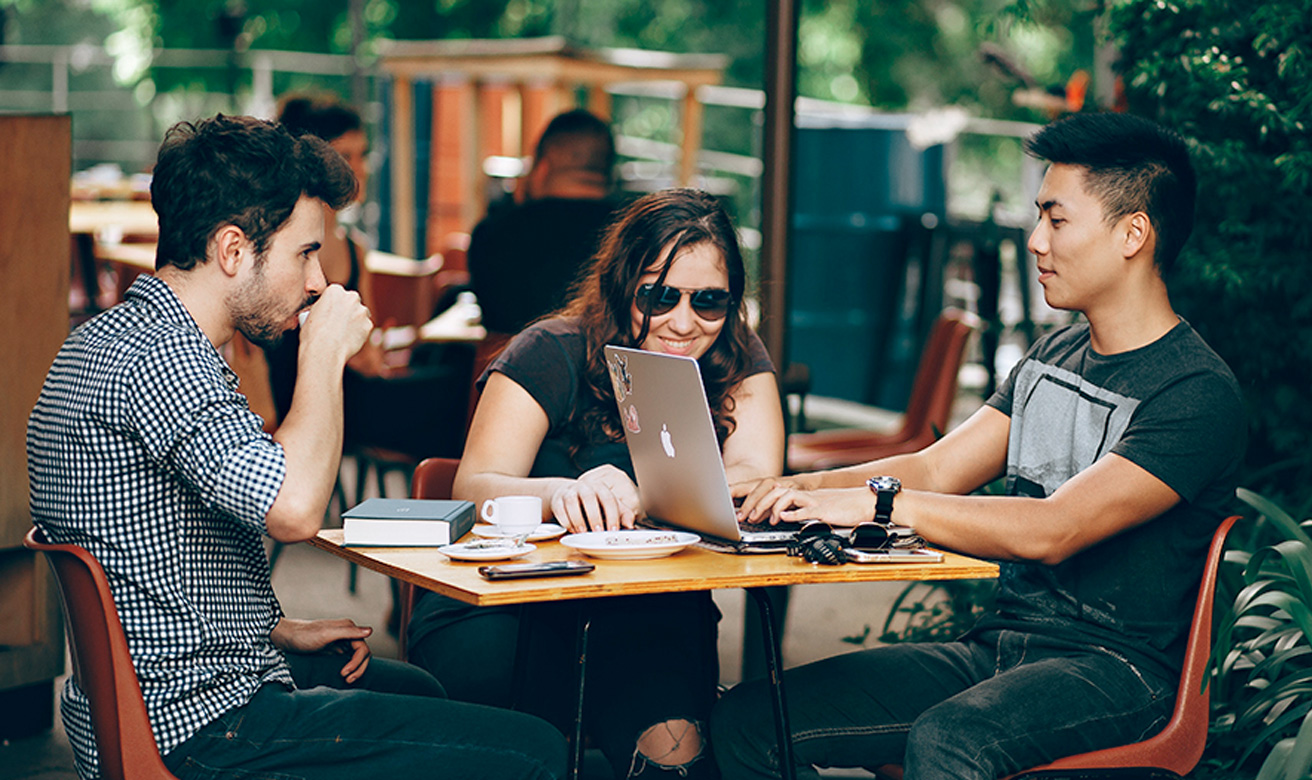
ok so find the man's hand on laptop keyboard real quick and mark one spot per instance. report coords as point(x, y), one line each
point(783, 499)
point(601, 499)
point(756, 499)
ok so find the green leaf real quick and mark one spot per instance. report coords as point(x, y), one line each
point(1299, 761)
point(1274, 765)
point(1274, 513)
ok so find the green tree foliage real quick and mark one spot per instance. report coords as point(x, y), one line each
point(1235, 80)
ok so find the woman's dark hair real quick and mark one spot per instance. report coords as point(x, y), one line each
point(645, 237)
point(237, 170)
point(320, 115)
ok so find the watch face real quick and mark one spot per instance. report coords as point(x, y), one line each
point(885, 483)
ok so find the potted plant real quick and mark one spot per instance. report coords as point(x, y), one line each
point(1262, 691)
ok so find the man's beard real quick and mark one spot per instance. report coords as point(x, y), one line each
point(252, 310)
point(259, 331)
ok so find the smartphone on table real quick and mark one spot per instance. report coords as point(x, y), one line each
point(515, 571)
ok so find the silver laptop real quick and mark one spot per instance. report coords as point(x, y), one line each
point(676, 458)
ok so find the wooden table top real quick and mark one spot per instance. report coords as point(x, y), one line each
point(121, 217)
point(690, 570)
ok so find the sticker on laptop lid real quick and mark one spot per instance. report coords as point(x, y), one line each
point(620, 379)
point(631, 423)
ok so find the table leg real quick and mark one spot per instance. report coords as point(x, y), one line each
point(774, 666)
point(576, 741)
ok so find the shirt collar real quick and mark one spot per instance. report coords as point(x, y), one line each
point(155, 293)
point(148, 290)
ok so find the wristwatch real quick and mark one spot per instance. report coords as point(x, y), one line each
point(884, 489)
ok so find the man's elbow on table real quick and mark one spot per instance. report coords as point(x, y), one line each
point(290, 521)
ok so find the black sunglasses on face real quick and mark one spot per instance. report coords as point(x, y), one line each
point(710, 303)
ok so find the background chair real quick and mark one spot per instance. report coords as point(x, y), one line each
point(1175, 751)
point(433, 478)
point(101, 664)
point(926, 418)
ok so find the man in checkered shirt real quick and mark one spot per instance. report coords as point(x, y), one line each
point(142, 450)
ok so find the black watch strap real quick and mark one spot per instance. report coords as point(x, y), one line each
point(884, 488)
point(884, 506)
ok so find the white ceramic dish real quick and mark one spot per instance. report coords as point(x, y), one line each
point(485, 550)
point(630, 545)
point(543, 532)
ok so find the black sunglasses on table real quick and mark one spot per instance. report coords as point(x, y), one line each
point(817, 541)
point(710, 303)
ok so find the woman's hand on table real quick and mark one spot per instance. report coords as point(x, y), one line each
point(601, 499)
point(312, 636)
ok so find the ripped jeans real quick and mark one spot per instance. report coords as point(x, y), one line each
point(651, 659)
point(991, 705)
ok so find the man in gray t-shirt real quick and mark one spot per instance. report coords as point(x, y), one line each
point(1119, 439)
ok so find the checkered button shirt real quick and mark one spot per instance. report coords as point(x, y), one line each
point(141, 450)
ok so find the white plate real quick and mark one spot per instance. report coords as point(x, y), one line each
point(485, 550)
point(543, 532)
point(630, 544)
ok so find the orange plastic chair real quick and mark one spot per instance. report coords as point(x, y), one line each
point(1174, 752)
point(433, 478)
point(926, 418)
point(101, 664)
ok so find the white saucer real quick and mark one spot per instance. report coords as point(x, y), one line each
point(630, 545)
point(485, 550)
point(543, 532)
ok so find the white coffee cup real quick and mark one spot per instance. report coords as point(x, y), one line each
point(514, 516)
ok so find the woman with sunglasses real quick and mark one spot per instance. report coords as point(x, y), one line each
point(668, 277)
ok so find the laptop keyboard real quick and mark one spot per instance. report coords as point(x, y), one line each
point(783, 526)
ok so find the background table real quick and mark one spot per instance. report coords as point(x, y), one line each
point(693, 569)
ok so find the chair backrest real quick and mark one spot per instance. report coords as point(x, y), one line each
point(402, 288)
point(433, 478)
point(102, 665)
point(1180, 744)
point(935, 385)
point(928, 411)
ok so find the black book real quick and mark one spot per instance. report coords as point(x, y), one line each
point(406, 522)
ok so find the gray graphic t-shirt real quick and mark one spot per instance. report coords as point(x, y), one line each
point(1172, 408)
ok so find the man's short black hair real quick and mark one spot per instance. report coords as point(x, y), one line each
point(578, 140)
point(237, 170)
point(1131, 164)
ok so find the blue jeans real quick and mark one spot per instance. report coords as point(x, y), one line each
point(334, 733)
point(982, 708)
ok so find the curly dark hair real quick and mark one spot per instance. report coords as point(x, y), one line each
point(237, 170)
point(641, 239)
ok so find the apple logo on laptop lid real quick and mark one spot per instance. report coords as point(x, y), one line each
point(666, 441)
